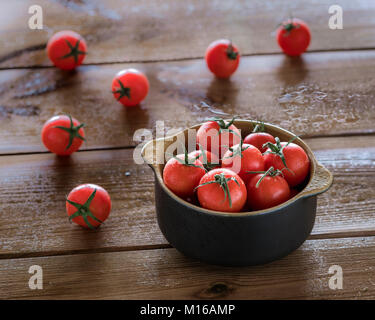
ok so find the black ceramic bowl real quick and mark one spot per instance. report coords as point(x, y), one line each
point(236, 239)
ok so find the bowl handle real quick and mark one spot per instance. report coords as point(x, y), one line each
point(320, 182)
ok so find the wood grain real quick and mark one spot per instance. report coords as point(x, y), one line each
point(166, 274)
point(142, 30)
point(321, 94)
point(33, 189)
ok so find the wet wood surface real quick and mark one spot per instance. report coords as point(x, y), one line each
point(326, 96)
point(311, 96)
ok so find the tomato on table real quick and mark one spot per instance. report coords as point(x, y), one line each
point(258, 137)
point(222, 58)
point(222, 190)
point(130, 87)
point(66, 49)
point(63, 135)
point(243, 158)
point(218, 135)
point(266, 190)
point(290, 158)
point(88, 205)
point(293, 37)
point(182, 174)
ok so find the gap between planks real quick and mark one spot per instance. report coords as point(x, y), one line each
point(184, 59)
point(345, 234)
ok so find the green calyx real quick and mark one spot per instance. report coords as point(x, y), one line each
point(231, 54)
point(223, 126)
point(73, 131)
point(206, 164)
point(271, 172)
point(290, 25)
point(188, 161)
point(222, 181)
point(276, 148)
point(74, 51)
point(237, 151)
point(123, 91)
point(83, 210)
point(259, 127)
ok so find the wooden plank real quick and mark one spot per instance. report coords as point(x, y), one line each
point(323, 94)
point(347, 209)
point(32, 207)
point(34, 189)
point(140, 30)
point(166, 274)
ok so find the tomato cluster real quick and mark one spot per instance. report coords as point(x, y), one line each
point(87, 205)
point(231, 174)
point(223, 58)
point(67, 50)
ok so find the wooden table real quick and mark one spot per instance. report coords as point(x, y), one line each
point(327, 96)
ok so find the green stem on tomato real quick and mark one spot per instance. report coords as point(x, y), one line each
point(83, 210)
point(222, 181)
point(74, 51)
point(72, 130)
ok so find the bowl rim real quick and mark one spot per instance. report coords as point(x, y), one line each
point(314, 164)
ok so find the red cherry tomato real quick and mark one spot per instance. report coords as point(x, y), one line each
point(88, 205)
point(243, 158)
point(293, 192)
point(130, 87)
point(217, 136)
point(258, 139)
point(222, 190)
point(269, 192)
point(63, 135)
point(222, 58)
point(208, 159)
point(182, 175)
point(66, 49)
point(296, 160)
point(293, 37)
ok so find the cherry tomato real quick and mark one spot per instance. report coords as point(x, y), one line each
point(242, 158)
point(208, 159)
point(267, 190)
point(66, 49)
point(295, 159)
point(222, 58)
point(130, 87)
point(293, 192)
point(182, 174)
point(88, 205)
point(63, 135)
point(293, 37)
point(217, 136)
point(222, 190)
point(258, 139)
